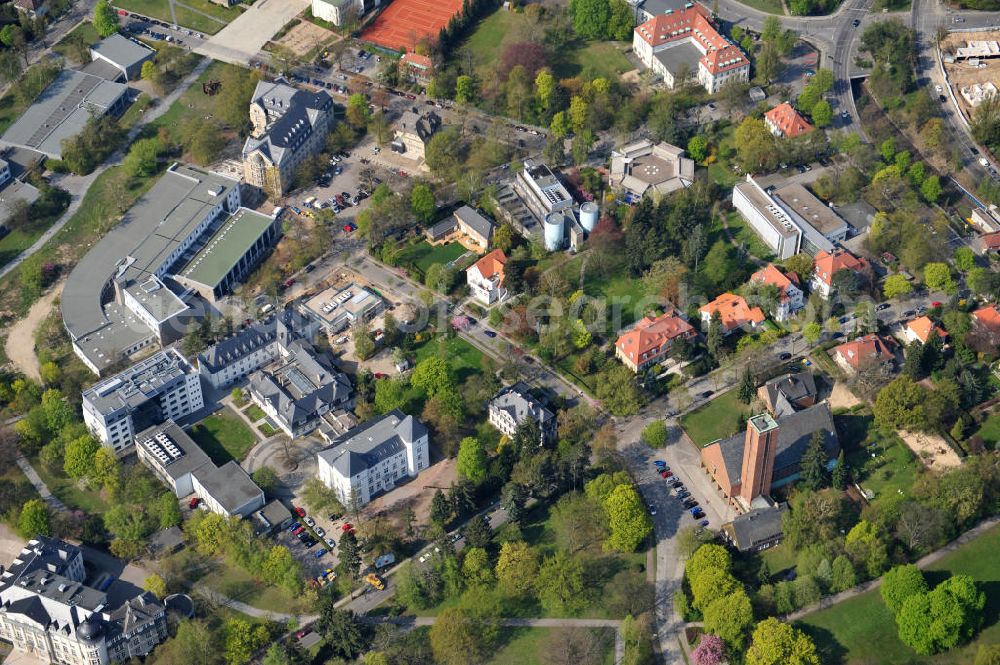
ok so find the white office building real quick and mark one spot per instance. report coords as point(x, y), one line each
point(372, 457)
point(160, 388)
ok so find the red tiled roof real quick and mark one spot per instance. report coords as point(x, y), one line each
point(733, 310)
point(988, 317)
point(827, 265)
point(417, 60)
point(771, 275)
point(492, 264)
point(990, 240)
point(693, 23)
point(866, 351)
point(652, 333)
point(922, 328)
point(788, 121)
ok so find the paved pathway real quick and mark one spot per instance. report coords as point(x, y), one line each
point(925, 561)
point(40, 485)
point(78, 186)
point(250, 610)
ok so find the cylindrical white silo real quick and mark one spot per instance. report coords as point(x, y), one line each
point(589, 213)
point(554, 231)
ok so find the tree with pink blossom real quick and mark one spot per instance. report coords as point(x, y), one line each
point(711, 650)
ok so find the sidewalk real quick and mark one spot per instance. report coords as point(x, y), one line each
point(40, 486)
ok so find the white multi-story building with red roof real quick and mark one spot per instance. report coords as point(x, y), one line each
point(651, 339)
point(784, 120)
point(790, 296)
point(684, 43)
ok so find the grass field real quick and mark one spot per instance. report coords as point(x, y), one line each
point(69, 491)
point(526, 646)
point(861, 630)
point(593, 59)
point(85, 30)
point(254, 412)
point(990, 431)
point(185, 17)
point(237, 584)
point(463, 358)
point(882, 463)
point(615, 286)
point(769, 6)
point(718, 419)
point(779, 558)
point(423, 255)
point(223, 437)
point(742, 233)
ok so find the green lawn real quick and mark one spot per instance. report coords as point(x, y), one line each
point(223, 437)
point(254, 412)
point(596, 59)
point(463, 358)
point(615, 286)
point(85, 30)
point(769, 6)
point(779, 558)
point(423, 255)
point(185, 17)
point(718, 419)
point(237, 584)
point(70, 492)
point(742, 233)
point(526, 646)
point(880, 460)
point(990, 431)
point(486, 42)
point(861, 630)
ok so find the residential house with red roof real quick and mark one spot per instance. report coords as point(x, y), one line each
point(416, 67)
point(986, 244)
point(826, 265)
point(485, 278)
point(921, 329)
point(651, 339)
point(790, 296)
point(734, 311)
point(784, 121)
point(865, 353)
point(685, 43)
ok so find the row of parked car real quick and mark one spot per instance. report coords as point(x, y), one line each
point(309, 533)
point(689, 502)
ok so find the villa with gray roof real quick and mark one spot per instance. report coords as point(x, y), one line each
point(187, 235)
point(162, 387)
point(373, 457)
point(186, 469)
point(247, 350)
point(300, 387)
point(289, 125)
point(124, 55)
point(515, 405)
point(62, 111)
point(413, 132)
point(49, 614)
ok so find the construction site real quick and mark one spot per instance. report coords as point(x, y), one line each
point(972, 65)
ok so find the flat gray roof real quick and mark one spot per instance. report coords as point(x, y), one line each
point(104, 69)
point(148, 233)
point(678, 55)
point(818, 214)
point(15, 190)
point(775, 216)
point(62, 110)
point(191, 456)
point(121, 50)
point(230, 485)
point(137, 384)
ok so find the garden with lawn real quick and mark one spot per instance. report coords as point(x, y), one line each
point(989, 431)
point(223, 437)
point(423, 255)
point(720, 418)
point(528, 646)
point(463, 358)
point(881, 462)
point(862, 630)
point(190, 13)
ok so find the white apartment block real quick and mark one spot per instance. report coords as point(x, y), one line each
point(159, 388)
point(372, 457)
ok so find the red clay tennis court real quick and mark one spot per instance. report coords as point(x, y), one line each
point(405, 22)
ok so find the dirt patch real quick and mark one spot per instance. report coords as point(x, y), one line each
point(305, 36)
point(841, 397)
point(11, 544)
point(962, 74)
point(418, 493)
point(20, 346)
point(932, 450)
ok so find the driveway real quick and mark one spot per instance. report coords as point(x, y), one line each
point(240, 41)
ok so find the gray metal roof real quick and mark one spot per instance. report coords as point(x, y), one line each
point(371, 442)
point(680, 55)
point(191, 456)
point(139, 383)
point(518, 401)
point(14, 191)
point(138, 246)
point(477, 222)
point(230, 485)
point(121, 50)
point(757, 526)
point(62, 110)
point(103, 69)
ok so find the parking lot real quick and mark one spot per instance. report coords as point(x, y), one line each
point(311, 564)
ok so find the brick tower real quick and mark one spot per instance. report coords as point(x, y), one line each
point(758, 457)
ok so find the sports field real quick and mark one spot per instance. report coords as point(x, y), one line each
point(404, 23)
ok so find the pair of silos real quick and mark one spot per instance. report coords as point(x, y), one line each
point(555, 225)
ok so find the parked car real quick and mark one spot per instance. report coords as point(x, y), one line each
point(310, 522)
point(295, 525)
point(659, 463)
point(193, 503)
point(690, 503)
point(697, 513)
point(703, 523)
point(347, 527)
point(666, 474)
point(489, 333)
point(652, 509)
point(319, 532)
point(683, 494)
point(320, 552)
point(302, 633)
point(881, 307)
point(707, 394)
point(330, 542)
point(299, 531)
